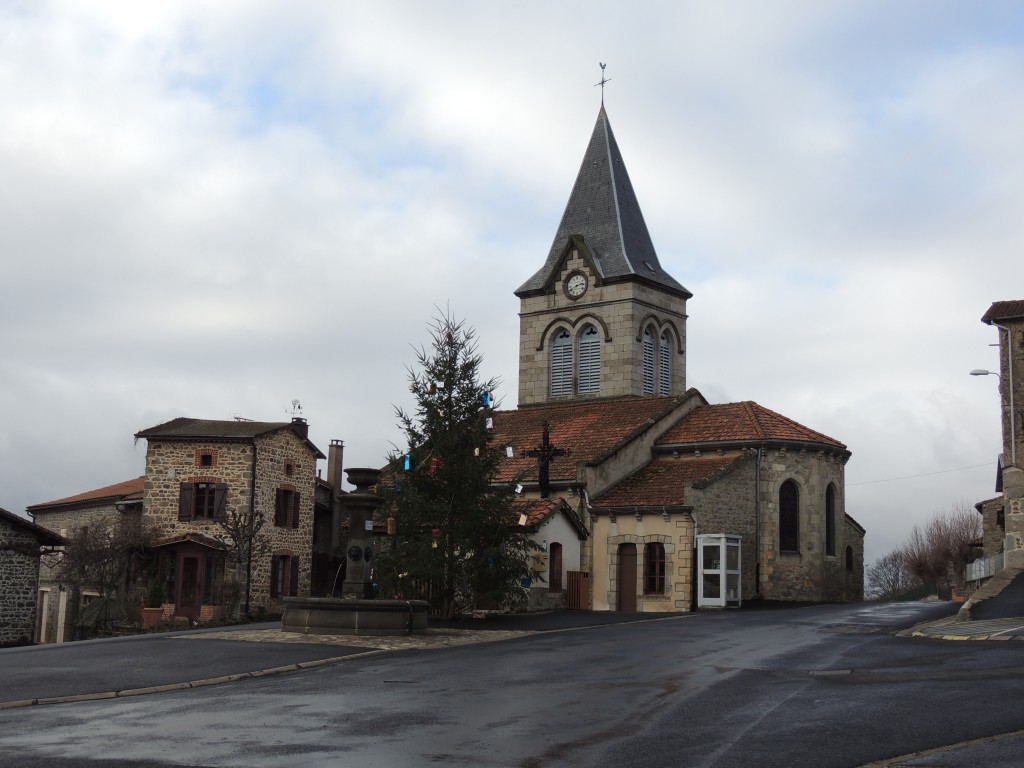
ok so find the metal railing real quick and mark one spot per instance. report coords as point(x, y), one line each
point(982, 569)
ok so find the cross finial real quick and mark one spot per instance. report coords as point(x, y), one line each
point(603, 81)
point(545, 453)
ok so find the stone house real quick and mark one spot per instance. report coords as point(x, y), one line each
point(21, 544)
point(199, 472)
point(98, 509)
point(1003, 516)
point(683, 502)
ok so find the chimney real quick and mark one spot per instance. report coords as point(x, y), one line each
point(334, 457)
point(301, 426)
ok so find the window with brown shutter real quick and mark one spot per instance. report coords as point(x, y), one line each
point(202, 501)
point(185, 502)
point(286, 509)
point(276, 575)
point(293, 582)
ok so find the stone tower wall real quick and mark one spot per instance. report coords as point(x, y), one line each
point(618, 310)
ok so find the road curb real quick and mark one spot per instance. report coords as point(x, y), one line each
point(168, 687)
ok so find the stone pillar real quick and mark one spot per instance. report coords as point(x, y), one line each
point(360, 506)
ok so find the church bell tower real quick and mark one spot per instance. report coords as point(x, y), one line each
point(601, 318)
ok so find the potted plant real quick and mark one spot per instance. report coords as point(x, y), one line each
point(153, 612)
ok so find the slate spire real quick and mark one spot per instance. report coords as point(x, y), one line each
point(603, 209)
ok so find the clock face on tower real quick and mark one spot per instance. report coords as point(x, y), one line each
point(576, 285)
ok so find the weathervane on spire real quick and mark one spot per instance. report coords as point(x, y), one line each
point(603, 81)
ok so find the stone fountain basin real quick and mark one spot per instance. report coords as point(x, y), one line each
point(334, 616)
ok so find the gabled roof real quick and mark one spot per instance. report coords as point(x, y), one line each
point(663, 482)
point(603, 209)
point(591, 430)
point(1004, 310)
point(129, 490)
point(537, 511)
point(44, 537)
point(184, 428)
point(738, 423)
point(189, 538)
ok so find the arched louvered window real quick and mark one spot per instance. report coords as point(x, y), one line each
point(590, 361)
point(830, 520)
point(789, 517)
point(648, 362)
point(561, 364)
point(664, 365)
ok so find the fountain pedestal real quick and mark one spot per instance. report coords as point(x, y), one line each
point(355, 613)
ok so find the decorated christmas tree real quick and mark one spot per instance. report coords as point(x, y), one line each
point(456, 540)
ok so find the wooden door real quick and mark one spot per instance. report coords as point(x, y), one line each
point(627, 578)
point(188, 594)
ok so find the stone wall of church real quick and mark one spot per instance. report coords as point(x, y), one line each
point(853, 572)
point(729, 506)
point(618, 311)
point(810, 574)
point(19, 572)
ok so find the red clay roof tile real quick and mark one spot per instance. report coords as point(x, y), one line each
point(129, 490)
point(738, 422)
point(663, 482)
point(590, 430)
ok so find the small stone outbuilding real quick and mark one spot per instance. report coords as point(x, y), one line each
point(21, 545)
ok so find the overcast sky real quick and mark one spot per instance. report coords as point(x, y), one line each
point(212, 209)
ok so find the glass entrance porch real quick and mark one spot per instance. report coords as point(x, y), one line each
point(718, 570)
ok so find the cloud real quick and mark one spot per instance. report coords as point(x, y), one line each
point(211, 210)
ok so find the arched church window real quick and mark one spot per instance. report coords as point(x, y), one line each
point(648, 361)
point(789, 517)
point(561, 364)
point(665, 365)
point(830, 520)
point(590, 361)
point(849, 559)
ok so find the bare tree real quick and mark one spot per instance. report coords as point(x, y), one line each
point(244, 545)
point(889, 577)
point(943, 547)
point(110, 560)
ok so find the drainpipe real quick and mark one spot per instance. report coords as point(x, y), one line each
point(757, 524)
point(252, 519)
point(1009, 372)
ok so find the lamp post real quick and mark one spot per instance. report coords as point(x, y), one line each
point(1013, 436)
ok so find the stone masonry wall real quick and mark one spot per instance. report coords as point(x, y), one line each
point(729, 506)
point(19, 574)
point(170, 463)
point(66, 522)
point(854, 578)
point(809, 574)
point(618, 310)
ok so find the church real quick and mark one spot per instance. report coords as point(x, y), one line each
point(643, 495)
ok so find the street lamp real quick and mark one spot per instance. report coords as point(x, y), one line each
point(1013, 436)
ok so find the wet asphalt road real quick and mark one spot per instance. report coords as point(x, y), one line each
point(816, 686)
